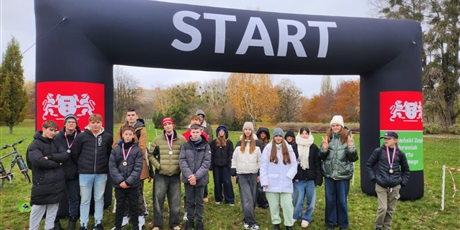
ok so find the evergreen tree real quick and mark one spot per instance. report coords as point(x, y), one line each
point(13, 96)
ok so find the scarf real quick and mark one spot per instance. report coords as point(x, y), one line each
point(303, 147)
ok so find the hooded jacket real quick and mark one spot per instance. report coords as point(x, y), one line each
point(92, 152)
point(140, 138)
point(130, 173)
point(221, 156)
point(70, 165)
point(48, 180)
point(195, 159)
point(381, 175)
point(267, 133)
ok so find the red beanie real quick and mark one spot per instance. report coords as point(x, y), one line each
point(167, 120)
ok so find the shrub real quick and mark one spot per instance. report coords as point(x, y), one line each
point(432, 128)
point(455, 129)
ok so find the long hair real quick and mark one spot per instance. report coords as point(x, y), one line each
point(221, 141)
point(343, 135)
point(284, 153)
point(252, 143)
point(304, 128)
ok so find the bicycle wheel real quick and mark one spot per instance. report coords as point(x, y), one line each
point(24, 170)
point(3, 174)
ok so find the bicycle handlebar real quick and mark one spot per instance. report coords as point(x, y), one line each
point(4, 147)
point(19, 142)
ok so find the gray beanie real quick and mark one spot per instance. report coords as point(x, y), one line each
point(278, 132)
point(198, 112)
point(70, 116)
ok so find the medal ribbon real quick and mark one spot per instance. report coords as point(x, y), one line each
point(170, 142)
point(125, 155)
point(388, 157)
point(67, 140)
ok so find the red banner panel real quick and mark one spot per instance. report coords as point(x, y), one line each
point(401, 110)
point(55, 100)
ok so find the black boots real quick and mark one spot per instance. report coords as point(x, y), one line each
point(57, 225)
point(72, 223)
point(276, 227)
point(190, 225)
point(288, 227)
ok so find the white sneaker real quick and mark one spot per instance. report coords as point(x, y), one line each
point(141, 221)
point(217, 202)
point(245, 225)
point(125, 221)
point(185, 217)
point(304, 224)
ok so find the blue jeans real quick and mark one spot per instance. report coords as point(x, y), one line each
point(170, 186)
point(87, 181)
point(336, 192)
point(304, 189)
point(247, 183)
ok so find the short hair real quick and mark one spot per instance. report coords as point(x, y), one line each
point(50, 124)
point(128, 128)
point(195, 117)
point(195, 126)
point(131, 109)
point(95, 117)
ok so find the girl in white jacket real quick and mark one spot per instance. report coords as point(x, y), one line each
point(277, 169)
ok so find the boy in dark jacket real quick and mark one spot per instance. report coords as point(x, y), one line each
point(391, 172)
point(69, 206)
point(92, 151)
point(45, 158)
point(125, 166)
point(194, 161)
point(221, 162)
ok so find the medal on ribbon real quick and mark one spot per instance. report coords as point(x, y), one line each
point(170, 142)
point(390, 162)
point(69, 145)
point(126, 155)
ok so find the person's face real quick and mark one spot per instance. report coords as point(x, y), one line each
point(336, 128)
point(221, 133)
point(168, 127)
point(278, 139)
point(289, 139)
point(95, 126)
point(70, 125)
point(304, 135)
point(49, 132)
point(390, 142)
point(247, 132)
point(262, 135)
point(195, 122)
point(195, 134)
point(201, 116)
point(128, 136)
point(131, 117)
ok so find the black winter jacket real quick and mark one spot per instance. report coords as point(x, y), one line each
point(380, 173)
point(195, 159)
point(131, 172)
point(314, 171)
point(48, 181)
point(221, 156)
point(92, 152)
point(70, 165)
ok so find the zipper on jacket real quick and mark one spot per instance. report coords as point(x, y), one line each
point(95, 154)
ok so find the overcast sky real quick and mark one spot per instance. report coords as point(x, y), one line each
point(17, 18)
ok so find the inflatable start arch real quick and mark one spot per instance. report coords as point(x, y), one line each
point(84, 39)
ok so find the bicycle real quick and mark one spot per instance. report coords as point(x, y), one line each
point(17, 159)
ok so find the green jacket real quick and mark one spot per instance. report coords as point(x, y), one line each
point(337, 160)
point(165, 163)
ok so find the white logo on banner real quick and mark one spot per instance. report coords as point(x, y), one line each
point(410, 111)
point(66, 104)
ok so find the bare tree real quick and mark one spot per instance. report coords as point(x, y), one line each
point(126, 92)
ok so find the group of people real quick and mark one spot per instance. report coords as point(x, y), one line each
point(280, 173)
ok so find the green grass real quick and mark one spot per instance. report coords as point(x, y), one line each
point(420, 214)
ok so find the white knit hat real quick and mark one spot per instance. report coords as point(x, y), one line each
point(337, 119)
point(248, 125)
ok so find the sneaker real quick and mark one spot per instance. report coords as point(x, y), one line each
point(231, 204)
point(141, 221)
point(177, 227)
point(245, 225)
point(304, 224)
point(185, 217)
point(83, 228)
point(125, 221)
point(217, 202)
point(255, 227)
point(98, 227)
point(156, 228)
point(199, 225)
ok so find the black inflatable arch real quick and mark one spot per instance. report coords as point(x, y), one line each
point(80, 41)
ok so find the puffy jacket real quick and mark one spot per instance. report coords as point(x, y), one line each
point(165, 163)
point(314, 170)
point(337, 159)
point(92, 152)
point(221, 156)
point(245, 162)
point(382, 175)
point(130, 173)
point(140, 138)
point(195, 159)
point(70, 165)
point(279, 176)
point(48, 180)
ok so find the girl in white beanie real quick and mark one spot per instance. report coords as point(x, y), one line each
point(337, 151)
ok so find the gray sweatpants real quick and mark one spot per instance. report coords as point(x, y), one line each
point(37, 212)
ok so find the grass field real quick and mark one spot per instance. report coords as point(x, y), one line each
point(421, 214)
